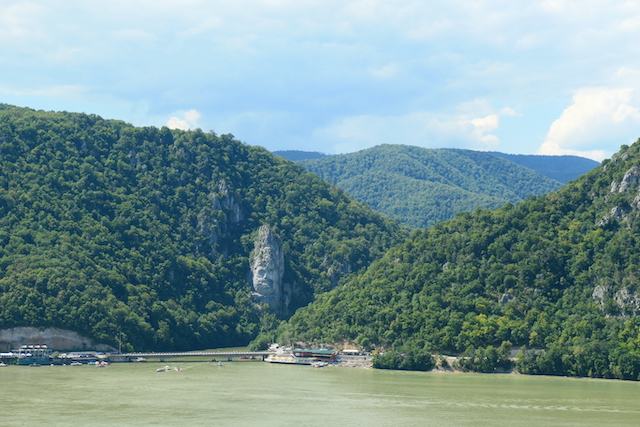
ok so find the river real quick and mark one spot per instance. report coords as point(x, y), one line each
point(252, 393)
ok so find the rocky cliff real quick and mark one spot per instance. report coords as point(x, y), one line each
point(267, 269)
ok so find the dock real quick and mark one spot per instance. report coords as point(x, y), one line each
point(138, 356)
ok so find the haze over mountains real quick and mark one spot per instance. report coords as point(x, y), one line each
point(560, 168)
point(420, 187)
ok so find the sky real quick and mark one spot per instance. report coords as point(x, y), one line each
point(522, 77)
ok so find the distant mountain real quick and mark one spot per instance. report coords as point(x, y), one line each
point(558, 274)
point(420, 187)
point(297, 155)
point(560, 168)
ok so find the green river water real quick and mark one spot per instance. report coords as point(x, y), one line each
point(252, 393)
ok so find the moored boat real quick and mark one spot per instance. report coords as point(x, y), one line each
point(302, 357)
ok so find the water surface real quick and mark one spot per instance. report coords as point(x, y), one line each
point(246, 393)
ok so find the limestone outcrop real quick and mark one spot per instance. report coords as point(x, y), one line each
point(224, 200)
point(630, 179)
point(267, 271)
point(628, 302)
point(622, 213)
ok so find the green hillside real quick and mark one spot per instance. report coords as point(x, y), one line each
point(557, 273)
point(420, 187)
point(109, 229)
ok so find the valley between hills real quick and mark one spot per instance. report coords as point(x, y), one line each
point(171, 239)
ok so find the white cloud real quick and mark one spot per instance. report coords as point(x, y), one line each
point(508, 111)
point(16, 23)
point(385, 72)
point(484, 125)
point(190, 121)
point(468, 126)
point(177, 123)
point(597, 116)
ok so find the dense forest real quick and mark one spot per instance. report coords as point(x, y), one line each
point(556, 276)
point(420, 187)
point(147, 233)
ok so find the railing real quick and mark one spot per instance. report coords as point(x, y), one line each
point(196, 353)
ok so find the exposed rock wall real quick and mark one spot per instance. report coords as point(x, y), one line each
point(622, 213)
point(54, 338)
point(267, 270)
point(215, 220)
point(628, 302)
point(630, 179)
point(225, 200)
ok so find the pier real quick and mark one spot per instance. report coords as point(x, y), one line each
point(41, 355)
point(132, 357)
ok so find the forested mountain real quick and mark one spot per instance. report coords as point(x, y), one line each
point(560, 168)
point(297, 155)
point(558, 272)
point(420, 187)
point(166, 238)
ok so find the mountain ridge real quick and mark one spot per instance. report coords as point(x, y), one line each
point(420, 187)
point(562, 168)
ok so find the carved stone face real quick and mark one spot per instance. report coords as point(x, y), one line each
point(267, 269)
point(265, 274)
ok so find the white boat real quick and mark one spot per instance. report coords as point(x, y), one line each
point(287, 358)
point(302, 357)
point(75, 363)
point(319, 364)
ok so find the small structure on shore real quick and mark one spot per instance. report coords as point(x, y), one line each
point(34, 354)
point(302, 357)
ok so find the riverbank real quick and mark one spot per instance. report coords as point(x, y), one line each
point(55, 338)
